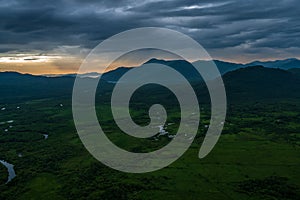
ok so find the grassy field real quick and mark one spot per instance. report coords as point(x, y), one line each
point(257, 156)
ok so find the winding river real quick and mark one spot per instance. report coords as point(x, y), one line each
point(10, 169)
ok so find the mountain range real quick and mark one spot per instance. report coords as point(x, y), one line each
point(185, 67)
point(281, 64)
point(242, 81)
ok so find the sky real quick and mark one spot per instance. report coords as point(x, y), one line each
point(53, 37)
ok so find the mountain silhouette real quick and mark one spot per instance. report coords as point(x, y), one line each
point(246, 83)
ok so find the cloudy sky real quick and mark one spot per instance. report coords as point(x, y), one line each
point(46, 37)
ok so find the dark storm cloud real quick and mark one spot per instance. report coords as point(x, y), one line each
point(62, 22)
point(44, 25)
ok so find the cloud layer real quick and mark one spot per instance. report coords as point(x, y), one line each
point(240, 30)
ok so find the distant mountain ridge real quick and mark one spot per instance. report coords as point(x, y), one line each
point(223, 67)
point(186, 68)
point(281, 64)
point(256, 82)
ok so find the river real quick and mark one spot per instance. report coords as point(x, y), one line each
point(10, 169)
